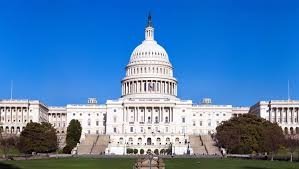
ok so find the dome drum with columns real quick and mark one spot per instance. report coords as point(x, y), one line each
point(149, 72)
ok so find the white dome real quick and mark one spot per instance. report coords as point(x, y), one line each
point(149, 73)
point(149, 50)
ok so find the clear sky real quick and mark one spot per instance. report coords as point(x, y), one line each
point(235, 52)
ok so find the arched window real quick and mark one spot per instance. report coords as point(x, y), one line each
point(166, 119)
point(167, 140)
point(130, 140)
point(121, 140)
point(286, 131)
point(156, 119)
point(292, 130)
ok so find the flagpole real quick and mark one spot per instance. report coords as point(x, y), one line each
point(11, 89)
point(289, 90)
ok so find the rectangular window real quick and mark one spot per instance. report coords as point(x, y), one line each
point(97, 132)
point(209, 122)
point(114, 130)
point(183, 120)
point(166, 129)
point(141, 129)
point(200, 123)
point(131, 129)
point(97, 123)
point(194, 124)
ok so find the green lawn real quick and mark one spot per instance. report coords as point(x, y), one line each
point(88, 163)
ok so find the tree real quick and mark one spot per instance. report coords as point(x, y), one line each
point(273, 138)
point(38, 137)
point(6, 143)
point(73, 135)
point(292, 144)
point(248, 133)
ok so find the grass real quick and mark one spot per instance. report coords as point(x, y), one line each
point(89, 163)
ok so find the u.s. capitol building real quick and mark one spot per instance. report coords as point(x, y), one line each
point(147, 116)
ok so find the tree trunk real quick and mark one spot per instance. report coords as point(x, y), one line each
point(272, 156)
point(291, 160)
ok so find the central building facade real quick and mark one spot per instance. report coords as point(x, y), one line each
point(149, 115)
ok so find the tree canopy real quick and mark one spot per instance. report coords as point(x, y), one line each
point(73, 135)
point(39, 138)
point(248, 133)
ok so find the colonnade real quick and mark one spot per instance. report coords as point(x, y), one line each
point(284, 115)
point(149, 115)
point(149, 86)
point(14, 118)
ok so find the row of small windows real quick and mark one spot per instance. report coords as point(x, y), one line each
point(89, 122)
point(149, 53)
point(132, 71)
point(201, 123)
point(74, 114)
point(14, 110)
point(142, 129)
point(201, 114)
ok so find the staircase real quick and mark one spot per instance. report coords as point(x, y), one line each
point(210, 145)
point(197, 145)
point(86, 145)
point(100, 145)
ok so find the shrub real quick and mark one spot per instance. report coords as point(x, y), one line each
point(129, 151)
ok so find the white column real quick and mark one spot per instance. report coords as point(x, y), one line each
point(161, 108)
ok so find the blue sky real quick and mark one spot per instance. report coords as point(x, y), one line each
point(235, 52)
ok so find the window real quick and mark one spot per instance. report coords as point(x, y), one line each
point(114, 129)
point(166, 129)
point(224, 114)
point(88, 131)
point(156, 119)
point(141, 129)
point(166, 119)
point(114, 119)
point(200, 123)
point(194, 124)
point(114, 110)
point(148, 119)
point(209, 122)
point(183, 120)
point(97, 132)
point(88, 123)
point(97, 123)
point(74, 114)
point(80, 114)
point(217, 114)
point(131, 129)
